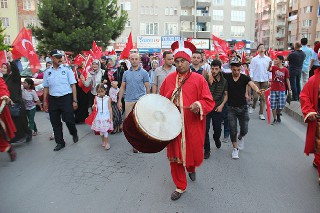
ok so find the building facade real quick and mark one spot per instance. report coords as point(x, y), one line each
point(281, 23)
point(9, 19)
point(196, 19)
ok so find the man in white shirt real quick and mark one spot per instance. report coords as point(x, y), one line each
point(260, 76)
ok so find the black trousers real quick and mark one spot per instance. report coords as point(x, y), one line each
point(61, 107)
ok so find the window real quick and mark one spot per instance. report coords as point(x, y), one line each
point(307, 23)
point(5, 21)
point(318, 34)
point(306, 35)
point(217, 30)
point(155, 10)
point(218, 2)
point(7, 40)
point(238, 15)
point(28, 5)
point(307, 9)
point(128, 23)
point(4, 3)
point(237, 31)
point(238, 2)
point(149, 28)
point(28, 22)
point(151, 10)
point(171, 11)
point(142, 10)
point(125, 5)
point(166, 11)
point(217, 15)
point(171, 28)
point(175, 11)
point(184, 12)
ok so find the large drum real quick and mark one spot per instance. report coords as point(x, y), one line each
point(152, 124)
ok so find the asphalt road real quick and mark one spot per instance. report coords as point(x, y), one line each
point(272, 175)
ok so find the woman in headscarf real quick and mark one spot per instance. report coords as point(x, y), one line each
point(95, 77)
point(145, 62)
point(7, 127)
point(11, 76)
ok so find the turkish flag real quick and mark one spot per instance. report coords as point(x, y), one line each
point(78, 60)
point(239, 45)
point(96, 51)
point(220, 45)
point(126, 51)
point(268, 104)
point(243, 57)
point(84, 72)
point(22, 46)
point(3, 57)
point(113, 52)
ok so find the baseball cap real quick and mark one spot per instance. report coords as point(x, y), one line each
point(235, 61)
point(57, 53)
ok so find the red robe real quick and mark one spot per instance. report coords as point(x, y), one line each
point(188, 147)
point(309, 105)
point(5, 117)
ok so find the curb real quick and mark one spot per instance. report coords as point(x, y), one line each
point(294, 111)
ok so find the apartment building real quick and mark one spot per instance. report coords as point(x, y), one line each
point(9, 19)
point(280, 23)
point(169, 20)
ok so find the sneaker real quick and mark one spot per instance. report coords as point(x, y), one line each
point(278, 118)
point(251, 110)
point(235, 153)
point(241, 143)
point(206, 155)
point(261, 116)
point(225, 140)
point(218, 143)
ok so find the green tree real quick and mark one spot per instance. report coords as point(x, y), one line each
point(2, 35)
point(72, 25)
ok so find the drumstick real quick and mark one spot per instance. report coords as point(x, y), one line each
point(3, 104)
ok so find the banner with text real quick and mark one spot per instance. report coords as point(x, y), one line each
point(149, 42)
point(201, 43)
point(166, 41)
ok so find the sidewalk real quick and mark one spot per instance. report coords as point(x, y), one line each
point(294, 111)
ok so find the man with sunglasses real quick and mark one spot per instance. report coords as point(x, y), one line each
point(60, 98)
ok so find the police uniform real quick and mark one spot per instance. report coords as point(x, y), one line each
point(60, 81)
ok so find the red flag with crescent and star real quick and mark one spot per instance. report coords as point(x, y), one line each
point(22, 46)
point(84, 72)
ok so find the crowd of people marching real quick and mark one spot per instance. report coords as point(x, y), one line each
point(103, 94)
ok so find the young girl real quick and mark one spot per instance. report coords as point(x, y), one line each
point(101, 117)
point(117, 118)
point(280, 83)
point(30, 97)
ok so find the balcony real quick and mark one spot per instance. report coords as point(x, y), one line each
point(266, 17)
point(292, 18)
point(280, 24)
point(281, 2)
point(265, 27)
point(203, 34)
point(189, 18)
point(203, 3)
point(203, 19)
point(280, 35)
point(187, 3)
point(187, 34)
point(281, 13)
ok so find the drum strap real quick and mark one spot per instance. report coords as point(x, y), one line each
point(176, 92)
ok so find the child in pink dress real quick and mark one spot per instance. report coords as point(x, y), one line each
point(101, 117)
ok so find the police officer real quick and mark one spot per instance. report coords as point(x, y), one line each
point(59, 82)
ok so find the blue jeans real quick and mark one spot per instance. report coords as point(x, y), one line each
point(226, 128)
point(236, 114)
point(295, 85)
point(216, 118)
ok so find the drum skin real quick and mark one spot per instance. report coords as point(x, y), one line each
point(152, 124)
point(138, 139)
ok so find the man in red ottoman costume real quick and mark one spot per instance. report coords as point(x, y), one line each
point(7, 128)
point(309, 99)
point(189, 91)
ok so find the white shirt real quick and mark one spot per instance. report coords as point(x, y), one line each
point(259, 69)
